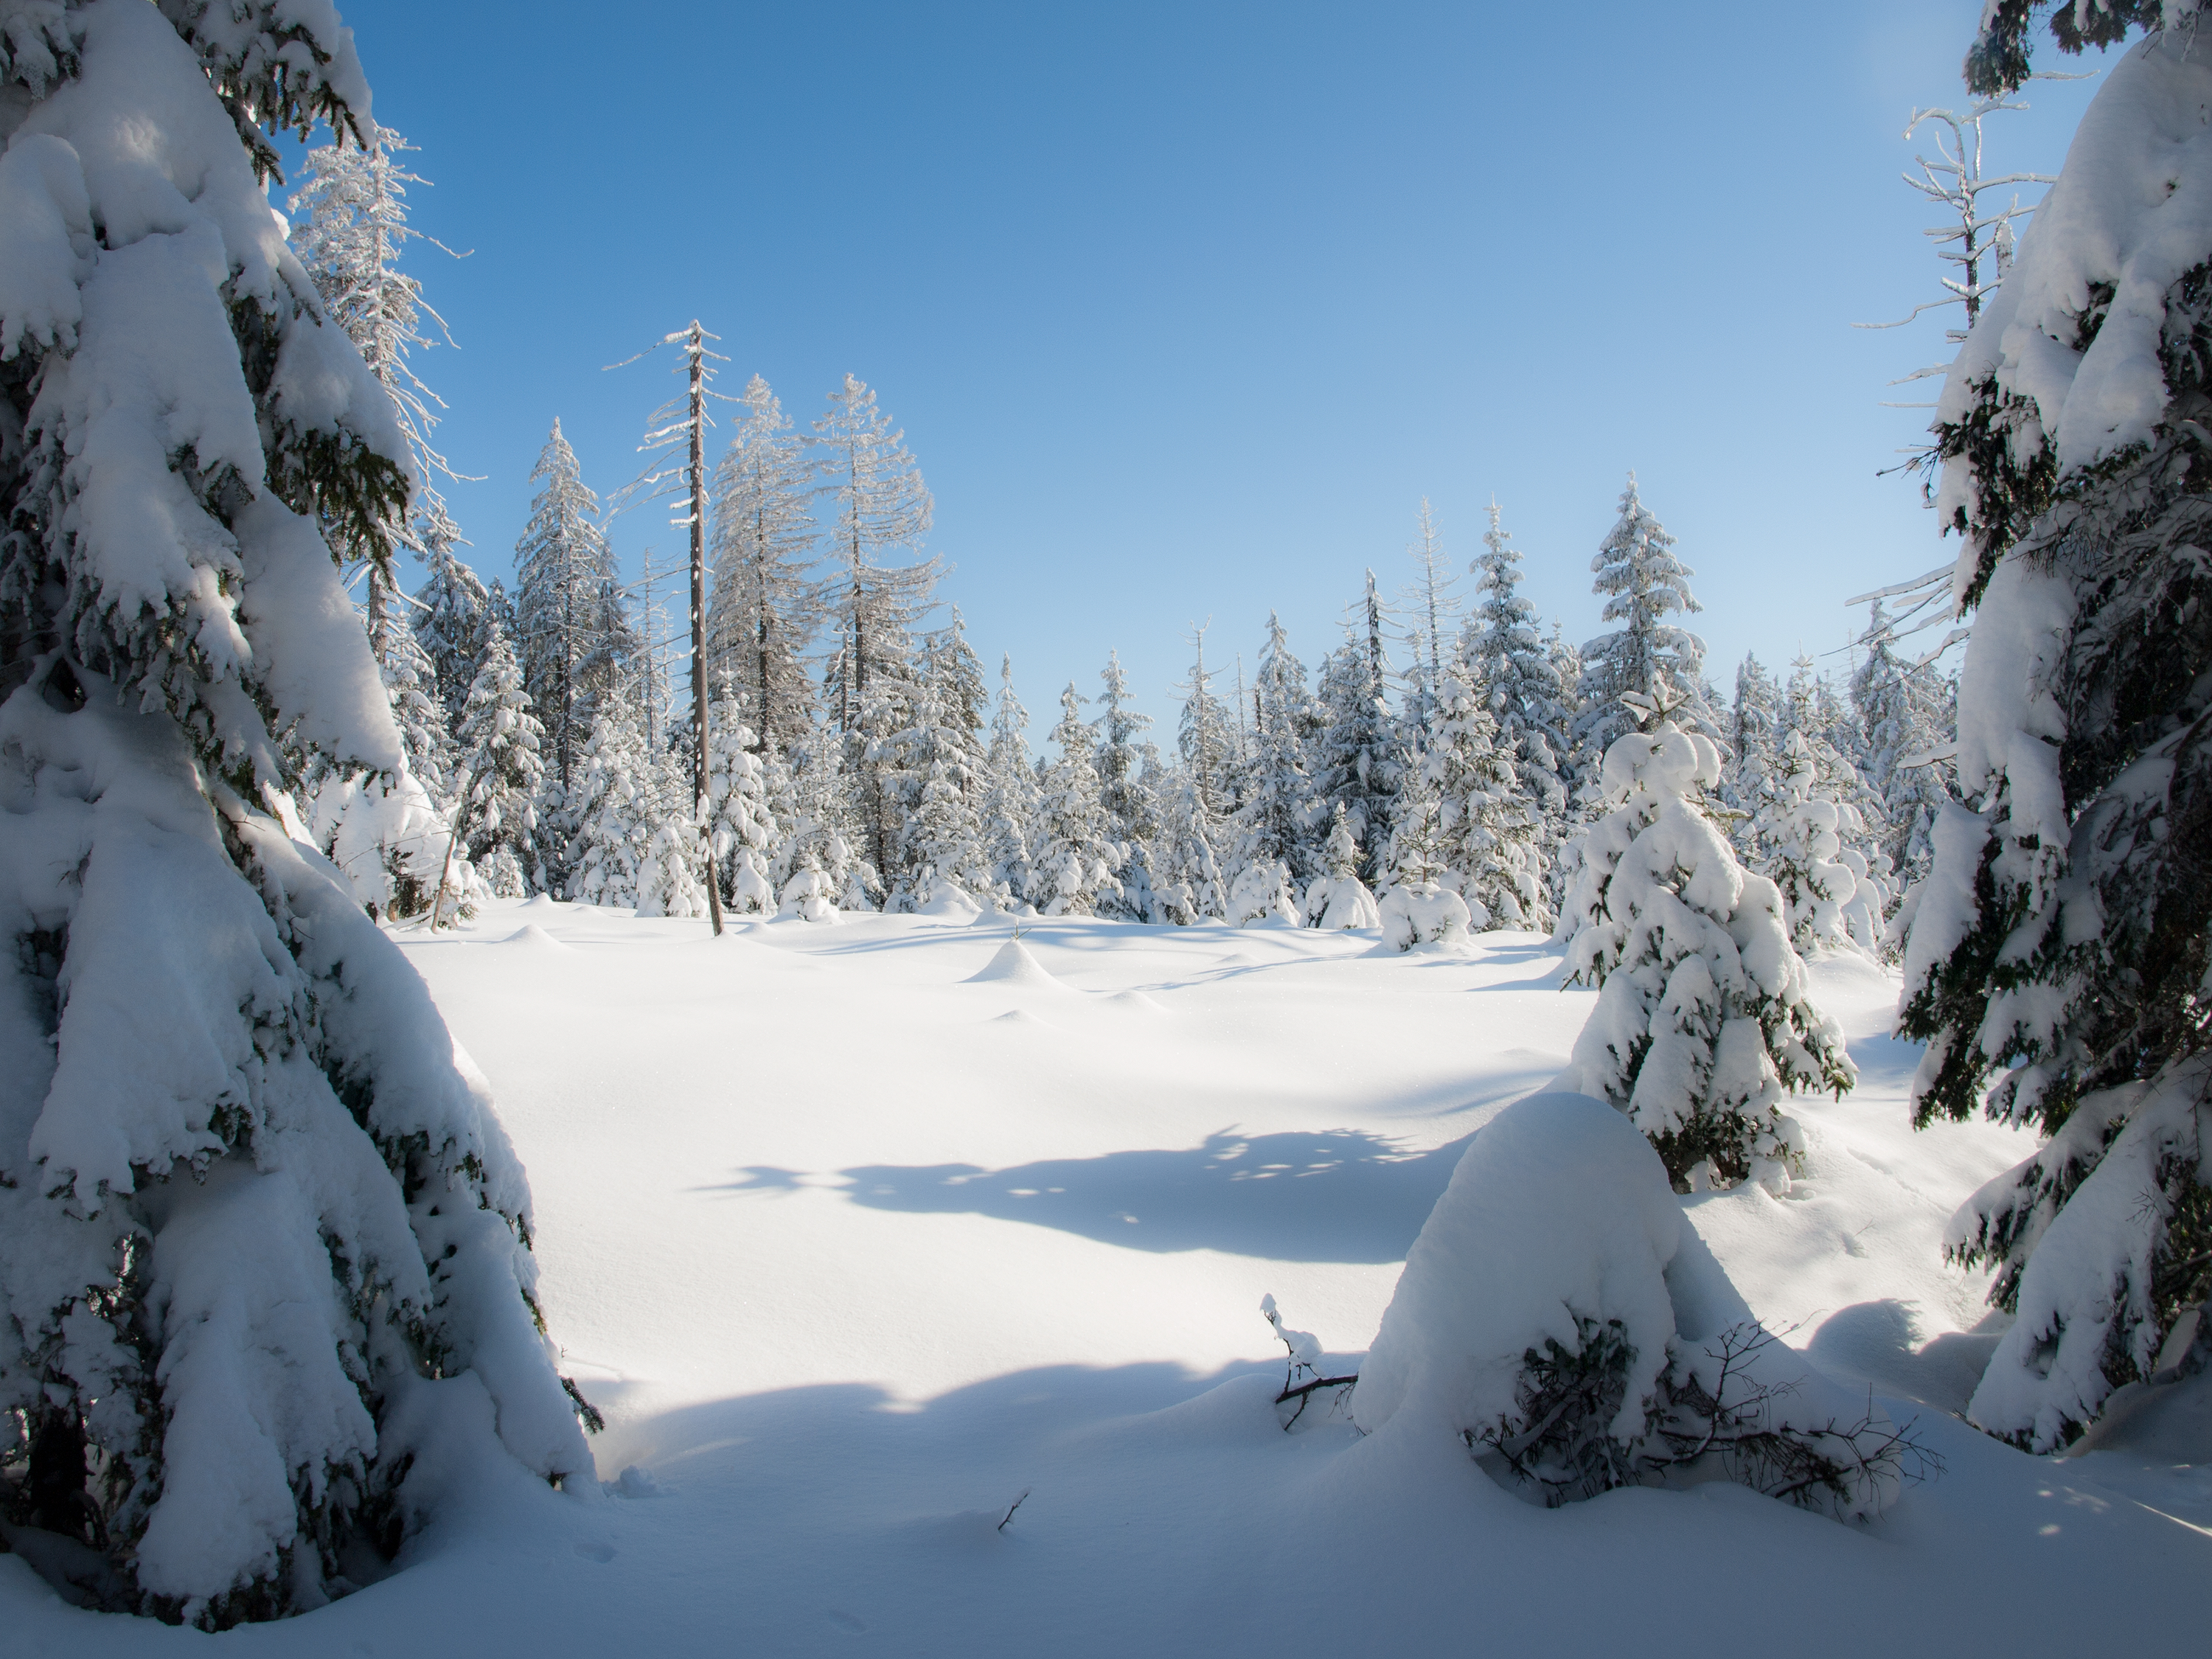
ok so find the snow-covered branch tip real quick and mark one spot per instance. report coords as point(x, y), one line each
point(1302, 1377)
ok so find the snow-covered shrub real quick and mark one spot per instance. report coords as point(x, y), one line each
point(808, 895)
point(2058, 959)
point(262, 1247)
point(1702, 1020)
point(1338, 900)
point(1422, 913)
point(1560, 1317)
point(1262, 895)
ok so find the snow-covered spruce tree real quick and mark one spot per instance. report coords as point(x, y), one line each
point(1509, 666)
point(1132, 813)
point(1275, 819)
point(452, 620)
point(878, 506)
point(1010, 793)
point(1417, 908)
point(631, 822)
point(938, 771)
point(1338, 900)
point(563, 567)
point(260, 1244)
point(1643, 584)
point(1906, 718)
point(350, 228)
point(1075, 857)
point(1748, 772)
point(1205, 735)
point(1702, 1020)
point(1187, 884)
point(1561, 1317)
point(813, 862)
point(1433, 609)
point(503, 770)
point(741, 828)
point(765, 606)
point(389, 831)
point(1830, 899)
point(1488, 825)
point(1354, 754)
point(2057, 963)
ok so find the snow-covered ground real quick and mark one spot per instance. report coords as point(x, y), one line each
point(859, 1234)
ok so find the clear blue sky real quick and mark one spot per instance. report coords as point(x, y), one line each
point(1184, 308)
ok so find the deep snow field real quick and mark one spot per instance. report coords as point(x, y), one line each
point(853, 1248)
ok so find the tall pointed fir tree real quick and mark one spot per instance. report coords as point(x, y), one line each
point(1432, 611)
point(1354, 759)
point(937, 766)
point(741, 827)
point(350, 229)
point(1076, 859)
point(1186, 868)
point(1009, 808)
point(765, 609)
point(503, 772)
point(1125, 792)
point(452, 616)
point(253, 1219)
point(1748, 774)
point(1487, 825)
point(1643, 584)
point(878, 507)
point(1275, 822)
point(1515, 677)
point(1205, 735)
point(564, 568)
point(1906, 720)
point(2057, 960)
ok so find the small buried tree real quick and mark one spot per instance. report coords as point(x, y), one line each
point(1702, 1020)
point(1560, 1317)
point(262, 1247)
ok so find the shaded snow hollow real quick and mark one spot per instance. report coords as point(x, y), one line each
point(849, 1273)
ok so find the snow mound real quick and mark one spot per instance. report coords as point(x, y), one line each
point(1022, 1019)
point(1558, 1208)
point(535, 937)
point(950, 904)
point(539, 901)
point(1135, 1002)
point(1560, 1236)
point(1014, 965)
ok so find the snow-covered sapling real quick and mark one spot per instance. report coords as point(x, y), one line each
point(1704, 1019)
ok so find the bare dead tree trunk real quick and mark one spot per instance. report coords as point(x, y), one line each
point(698, 347)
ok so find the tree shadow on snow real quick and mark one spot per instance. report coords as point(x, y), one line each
point(1343, 1195)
